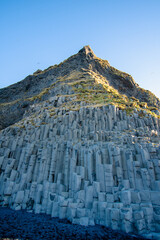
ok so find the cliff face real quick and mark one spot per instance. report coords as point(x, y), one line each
point(84, 146)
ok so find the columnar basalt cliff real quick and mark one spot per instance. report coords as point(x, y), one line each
point(80, 140)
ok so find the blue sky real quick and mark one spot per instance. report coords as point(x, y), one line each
point(35, 34)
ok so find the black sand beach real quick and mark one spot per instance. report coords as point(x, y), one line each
point(24, 225)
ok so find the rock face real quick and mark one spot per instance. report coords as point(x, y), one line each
point(75, 155)
point(16, 99)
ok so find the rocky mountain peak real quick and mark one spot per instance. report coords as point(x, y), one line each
point(87, 52)
point(90, 79)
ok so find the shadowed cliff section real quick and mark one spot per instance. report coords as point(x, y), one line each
point(16, 99)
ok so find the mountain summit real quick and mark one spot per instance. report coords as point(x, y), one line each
point(82, 72)
point(88, 52)
point(81, 141)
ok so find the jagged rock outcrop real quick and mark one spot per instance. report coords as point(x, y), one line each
point(82, 150)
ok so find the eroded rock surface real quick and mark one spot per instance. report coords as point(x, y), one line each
point(84, 152)
point(17, 98)
point(94, 165)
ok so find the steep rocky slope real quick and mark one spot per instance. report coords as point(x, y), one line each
point(84, 146)
point(84, 71)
